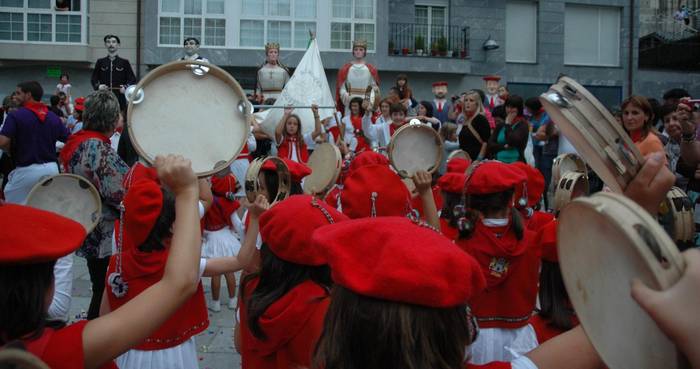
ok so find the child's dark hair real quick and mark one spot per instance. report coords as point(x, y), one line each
point(277, 277)
point(162, 229)
point(477, 205)
point(554, 300)
point(449, 202)
point(397, 108)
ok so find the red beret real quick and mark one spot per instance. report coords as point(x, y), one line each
point(374, 190)
point(296, 170)
point(534, 183)
point(452, 182)
point(289, 238)
point(493, 176)
point(492, 77)
point(32, 235)
point(392, 258)
point(547, 239)
point(440, 83)
point(220, 186)
point(368, 158)
point(79, 104)
point(458, 165)
point(142, 206)
point(139, 171)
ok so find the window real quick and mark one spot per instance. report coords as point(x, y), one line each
point(521, 32)
point(202, 19)
point(276, 21)
point(431, 23)
point(592, 35)
point(44, 21)
point(352, 20)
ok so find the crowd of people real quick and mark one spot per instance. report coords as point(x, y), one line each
point(461, 270)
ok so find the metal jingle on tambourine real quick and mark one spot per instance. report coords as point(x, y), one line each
point(136, 97)
point(557, 99)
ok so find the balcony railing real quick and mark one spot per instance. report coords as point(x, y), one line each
point(414, 39)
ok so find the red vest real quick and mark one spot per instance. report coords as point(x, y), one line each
point(141, 270)
point(292, 324)
point(511, 270)
point(219, 214)
point(284, 149)
point(362, 144)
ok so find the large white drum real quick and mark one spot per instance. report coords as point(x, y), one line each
point(189, 108)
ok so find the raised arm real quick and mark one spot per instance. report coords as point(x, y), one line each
point(423, 181)
point(279, 129)
point(113, 334)
point(246, 255)
point(317, 122)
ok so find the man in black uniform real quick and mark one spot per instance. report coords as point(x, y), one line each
point(112, 72)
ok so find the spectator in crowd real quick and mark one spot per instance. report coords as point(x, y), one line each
point(30, 134)
point(473, 127)
point(544, 138)
point(425, 114)
point(509, 139)
point(637, 118)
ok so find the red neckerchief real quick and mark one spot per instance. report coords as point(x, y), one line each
point(285, 151)
point(362, 144)
point(38, 108)
point(74, 142)
point(637, 135)
point(219, 214)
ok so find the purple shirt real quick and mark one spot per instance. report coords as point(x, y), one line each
point(33, 142)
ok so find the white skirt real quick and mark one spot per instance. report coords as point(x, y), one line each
point(182, 356)
point(499, 344)
point(220, 243)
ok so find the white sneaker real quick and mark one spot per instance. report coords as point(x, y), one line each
point(215, 306)
point(232, 303)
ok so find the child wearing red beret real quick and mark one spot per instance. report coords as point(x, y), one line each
point(220, 238)
point(284, 304)
point(400, 301)
point(144, 243)
point(534, 188)
point(509, 260)
point(32, 240)
point(556, 314)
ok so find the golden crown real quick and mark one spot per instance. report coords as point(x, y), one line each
point(272, 45)
point(359, 43)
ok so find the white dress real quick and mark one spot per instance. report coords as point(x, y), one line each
point(499, 344)
point(221, 243)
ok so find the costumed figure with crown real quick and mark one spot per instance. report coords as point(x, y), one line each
point(354, 78)
point(272, 75)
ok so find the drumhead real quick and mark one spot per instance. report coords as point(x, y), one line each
point(593, 131)
point(69, 195)
point(604, 242)
point(189, 114)
point(253, 187)
point(325, 163)
point(415, 147)
point(572, 185)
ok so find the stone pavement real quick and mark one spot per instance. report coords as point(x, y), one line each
point(214, 346)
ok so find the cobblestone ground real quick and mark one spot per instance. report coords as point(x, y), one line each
point(214, 346)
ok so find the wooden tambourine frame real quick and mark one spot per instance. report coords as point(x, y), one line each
point(326, 163)
point(571, 183)
point(252, 181)
point(604, 242)
point(404, 152)
point(566, 163)
point(70, 196)
point(16, 358)
point(680, 208)
point(461, 154)
point(592, 130)
point(180, 100)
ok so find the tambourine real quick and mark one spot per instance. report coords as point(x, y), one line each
point(325, 163)
point(566, 163)
point(253, 187)
point(572, 185)
point(68, 195)
point(592, 130)
point(461, 154)
point(189, 108)
point(415, 147)
point(676, 214)
point(604, 242)
point(20, 359)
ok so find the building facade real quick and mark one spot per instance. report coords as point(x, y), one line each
point(593, 41)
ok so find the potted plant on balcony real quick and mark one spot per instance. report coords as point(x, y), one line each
point(420, 45)
point(434, 48)
point(455, 53)
point(442, 45)
point(404, 51)
point(391, 47)
point(463, 54)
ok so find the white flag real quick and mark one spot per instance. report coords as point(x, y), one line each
point(307, 86)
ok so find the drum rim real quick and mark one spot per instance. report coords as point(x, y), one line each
point(406, 127)
point(569, 156)
point(683, 221)
point(24, 358)
point(338, 159)
point(252, 186)
point(620, 181)
point(91, 188)
point(563, 197)
point(664, 278)
point(453, 154)
point(180, 65)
